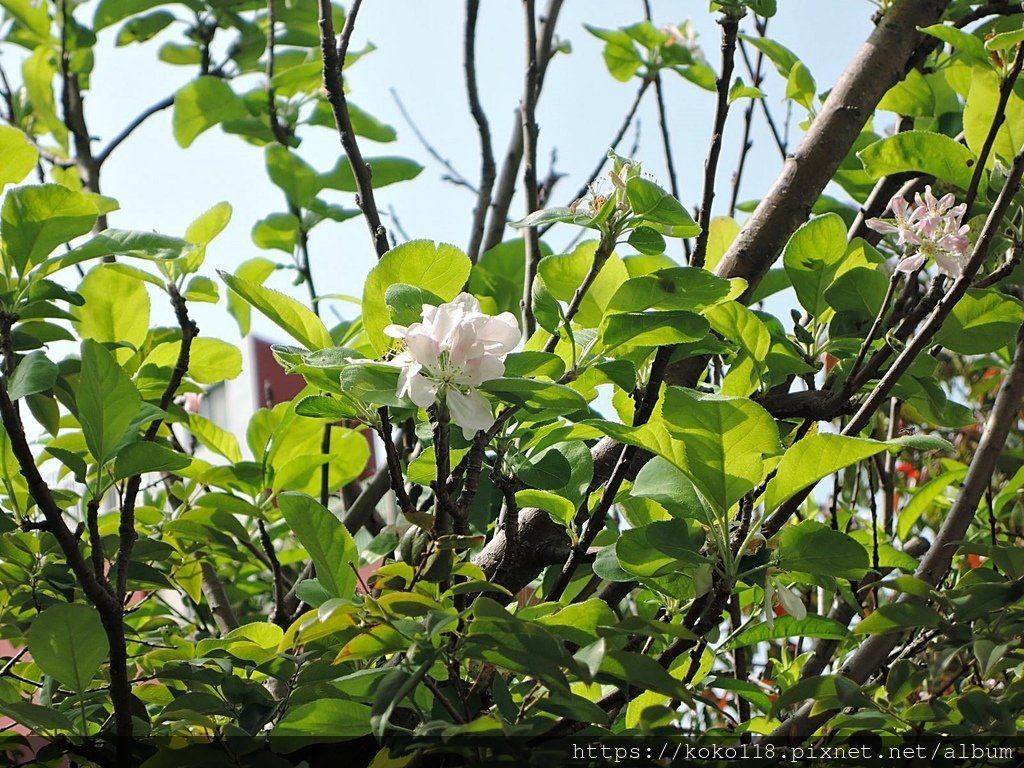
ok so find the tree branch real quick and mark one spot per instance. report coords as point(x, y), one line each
point(334, 59)
point(487, 166)
point(872, 654)
point(730, 28)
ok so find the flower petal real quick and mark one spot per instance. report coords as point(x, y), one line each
point(469, 410)
point(792, 603)
point(911, 263)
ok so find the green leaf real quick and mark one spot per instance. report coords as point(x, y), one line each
point(1004, 40)
point(294, 176)
point(202, 289)
point(209, 224)
point(984, 320)
point(812, 258)
point(145, 456)
point(674, 288)
point(635, 669)
point(980, 110)
point(521, 646)
point(913, 96)
point(374, 383)
point(119, 242)
point(813, 458)
point(779, 55)
point(112, 11)
point(108, 402)
point(921, 151)
point(116, 308)
point(405, 302)
point(559, 509)
point(969, 45)
point(326, 539)
point(655, 205)
point(35, 373)
point(68, 643)
point(278, 230)
point(647, 240)
point(800, 86)
point(652, 329)
point(661, 481)
point(659, 548)
point(721, 442)
point(254, 271)
point(42, 720)
point(537, 396)
point(323, 720)
point(143, 28)
point(36, 219)
point(814, 548)
point(323, 407)
point(385, 170)
point(790, 626)
point(896, 617)
point(620, 54)
point(19, 155)
point(859, 290)
point(441, 269)
point(212, 437)
point(202, 104)
point(740, 90)
point(210, 361)
point(290, 315)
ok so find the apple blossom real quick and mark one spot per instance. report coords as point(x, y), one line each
point(931, 229)
point(448, 355)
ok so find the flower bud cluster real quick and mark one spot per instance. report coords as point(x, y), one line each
point(930, 229)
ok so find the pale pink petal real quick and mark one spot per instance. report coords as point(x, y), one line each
point(422, 346)
point(769, 602)
point(949, 264)
point(396, 331)
point(470, 411)
point(467, 302)
point(481, 369)
point(500, 334)
point(911, 263)
point(463, 346)
point(792, 603)
point(881, 225)
point(422, 390)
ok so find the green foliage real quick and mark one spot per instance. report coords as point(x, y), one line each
point(656, 513)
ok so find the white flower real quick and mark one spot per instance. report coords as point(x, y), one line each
point(933, 230)
point(452, 352)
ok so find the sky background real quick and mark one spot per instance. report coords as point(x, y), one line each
point(419, 54)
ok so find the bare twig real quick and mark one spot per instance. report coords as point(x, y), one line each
point(487, 166)
point(873, 653)
point(334, 59)
point(730, 28)
point(453, 176)
point(129, 129)
point(527, 110)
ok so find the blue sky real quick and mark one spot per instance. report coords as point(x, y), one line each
point(419, 44)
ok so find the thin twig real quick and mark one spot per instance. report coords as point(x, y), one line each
point(334, 58)
point(487, 166)
point(129, 129)
point(756, 76)
point(527, 110)
point(453, 176)
point(730, 28)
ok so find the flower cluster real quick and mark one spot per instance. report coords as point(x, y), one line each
point(454, 350)
point(930, 228)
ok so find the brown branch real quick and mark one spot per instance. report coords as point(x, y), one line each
point(276, 127)
point(126, 528)
point(394, 464)
point(334, 59)
point(217, 598)
point(506, 181)
point(880, 64)
point(281, 615)
point(453, 176)
point(872, 654)
point(487, 166)
point(527, 111)
point(730, 28)
point(128, 130)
